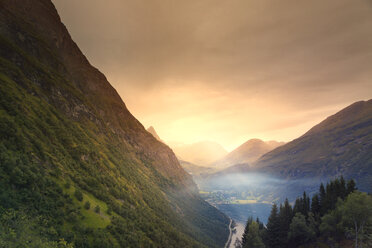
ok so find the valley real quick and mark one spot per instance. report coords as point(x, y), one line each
point(78, 169)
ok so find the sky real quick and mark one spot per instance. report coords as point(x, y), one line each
point(228, 71)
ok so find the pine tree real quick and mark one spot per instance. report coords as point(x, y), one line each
point(253, 238)
point(300, 232)
point(351, 187)
point(315, 205)
point(273, 229)
point(322, 200)
point(297, 208)
point(343, 188)
point(246, 230)
point(285, 218)
point(306, 204)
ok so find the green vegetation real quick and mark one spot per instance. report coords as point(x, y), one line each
point(97, 209)
point(252, 236)
point(61, 147)
point(78, 195)
point(336, 214)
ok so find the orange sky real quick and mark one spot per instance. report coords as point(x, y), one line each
point(228, 71)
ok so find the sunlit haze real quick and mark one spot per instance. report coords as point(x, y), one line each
point(228, 71)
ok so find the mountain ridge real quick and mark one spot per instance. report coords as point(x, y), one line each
point(151, 130)
point(64, 128)
point(247, 153)
point(338, 145)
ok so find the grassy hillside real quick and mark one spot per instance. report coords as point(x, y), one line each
point(66, 138)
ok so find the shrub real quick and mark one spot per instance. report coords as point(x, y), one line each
point(97, 209)
point(78, 195)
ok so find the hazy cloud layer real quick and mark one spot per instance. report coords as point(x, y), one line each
point(228, 70)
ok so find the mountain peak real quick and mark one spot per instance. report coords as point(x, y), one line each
point(151, 130)
point(247, 153)
point(64, 124)
point(355, 111)
point(339, 145)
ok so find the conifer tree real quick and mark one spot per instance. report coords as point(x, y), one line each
point(300, 232)
point(253, 238)
point(285, 218)
point(322, 200)
point(343, 188)
point(351, 187)
point(273, 229)
point(306, 204)
point(246, 230)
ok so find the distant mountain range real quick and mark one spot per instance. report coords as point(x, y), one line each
point(196, 170)
point(201, 153)
point(339, 145)
point(247, 153)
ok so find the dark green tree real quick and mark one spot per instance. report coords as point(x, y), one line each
point(285, 218)
point(315, 205)
point(357, 214)
point(246, 230)
point(97, 209)
point(322, 200)
point(331, 226)
point(272, 239)
point(78, 195)
point(351, 187)
point(253, 238)
point(299, 231)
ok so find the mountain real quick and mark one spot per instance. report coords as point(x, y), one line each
point(151, 130)
point(247, 153)
point(192, 169)
point(76, 167)
point(195, 170)
point(201, 153)
point(339, 145)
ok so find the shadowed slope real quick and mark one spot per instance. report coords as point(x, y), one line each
point(340, 145)
point(62, 123)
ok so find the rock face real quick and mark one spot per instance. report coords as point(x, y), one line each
point(151, 130)
point(72, 125)
point(340, 145)
point(247, 153)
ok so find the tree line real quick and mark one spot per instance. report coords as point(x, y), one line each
point(338, 212)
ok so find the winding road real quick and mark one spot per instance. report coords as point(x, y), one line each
point(230, 235)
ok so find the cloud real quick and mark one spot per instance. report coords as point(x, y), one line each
point(223, 64)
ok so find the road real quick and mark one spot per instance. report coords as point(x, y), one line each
point(229, 239)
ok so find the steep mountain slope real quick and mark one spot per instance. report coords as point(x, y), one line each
point(247, 153)
point(67, 138)
point(200, 153)
point(195, 170)
point(151, 130)
point(341, 144)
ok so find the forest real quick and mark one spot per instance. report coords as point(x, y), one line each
point(337, 216)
